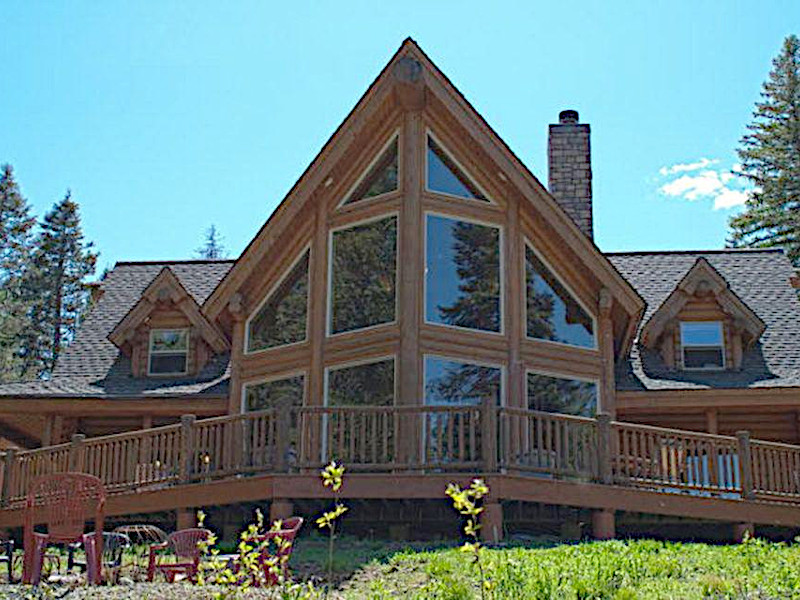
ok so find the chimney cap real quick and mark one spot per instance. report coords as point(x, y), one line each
point(568, 116)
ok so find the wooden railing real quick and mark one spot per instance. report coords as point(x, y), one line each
point(480, 438)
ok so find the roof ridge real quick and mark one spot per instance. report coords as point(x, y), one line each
point(188, 261)
point(716, 251)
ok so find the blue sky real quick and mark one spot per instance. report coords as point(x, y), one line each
point(166, 117)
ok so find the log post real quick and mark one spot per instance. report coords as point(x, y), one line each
point(8, 469)
point(187, 446)
point(76, 452)
point(604, 471)
point(745, 465)
point(283, 424)
point(603, 524)
point(280, 509)
point(489, 434)
point(491, 521)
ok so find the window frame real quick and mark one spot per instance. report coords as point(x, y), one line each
point(489, 201)
point(556, 375)
point(395, 135)
point(526, 243)
point(501, 256)
point(329, 284)
point(268, 295)
point(151, 352)
point(270, 379)
point(721, 347)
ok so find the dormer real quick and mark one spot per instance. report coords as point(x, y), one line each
point(703, 324)
point(165, 334)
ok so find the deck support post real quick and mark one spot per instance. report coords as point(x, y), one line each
point(491, 521)
point(279, 509)
point(605, 474)
point(742, 530)
point(8, 467)
point(76, 453)
point(185, 518)
point(745, 465)
point(489, 434)
point(603, 525)
point(187, 426)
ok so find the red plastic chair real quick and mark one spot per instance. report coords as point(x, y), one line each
point(184, 547)
point(64, 502)
point(287, 533)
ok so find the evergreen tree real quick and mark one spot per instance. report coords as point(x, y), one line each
point(212, 247)
point(58, 296)
point(770, 157)
point(15, 247)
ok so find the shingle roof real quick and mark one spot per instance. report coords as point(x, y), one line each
point(759, 277)
point(92, 366)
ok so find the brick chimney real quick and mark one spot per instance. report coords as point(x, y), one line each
point(570, 168)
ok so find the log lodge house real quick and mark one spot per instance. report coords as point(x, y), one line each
point(423, 309)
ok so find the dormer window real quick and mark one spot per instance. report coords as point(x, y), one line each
point(702, 345)
point(169, 350)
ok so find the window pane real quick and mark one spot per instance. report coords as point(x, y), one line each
point(166, 364)
point(282, 318)
point(444, 175)
point(363, 275)
point(553, 314)
point(168, 340)
point(462, 274)
point(370, 384)
point(559, 395)
point(702, 358)
point(381, 179)
point(262, 396)
point(452, 382)
point(701, 333)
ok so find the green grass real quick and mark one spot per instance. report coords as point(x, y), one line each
point(615, 570)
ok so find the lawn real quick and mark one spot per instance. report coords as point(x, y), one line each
point(615, 570)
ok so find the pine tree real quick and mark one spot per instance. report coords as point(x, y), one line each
point(212, 247)
point(770, 157)
point(61, 263)
point(15, 246)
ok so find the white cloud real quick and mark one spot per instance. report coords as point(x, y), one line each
point(685, 167)
point(720, 186)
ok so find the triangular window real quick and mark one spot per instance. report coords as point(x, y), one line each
point(380, 179)
point(281, 319)
point(446, 177)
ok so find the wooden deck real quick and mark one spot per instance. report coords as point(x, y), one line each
point(412, 452)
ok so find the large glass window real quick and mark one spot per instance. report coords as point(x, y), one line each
point(462, 274)
point(702, 345)
point(282, 318)
point(552, 313)
point(446, 177)
point(381, 177)
point(169, 349)
point(367, 384)
point(562, 395)
point(453, 382)
point(363, 272)
point(268, 394)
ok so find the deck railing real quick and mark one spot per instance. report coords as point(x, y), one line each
point(482, 438)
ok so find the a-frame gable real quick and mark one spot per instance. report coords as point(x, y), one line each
point(166, 286)
point(410, 81)
point(702, 278)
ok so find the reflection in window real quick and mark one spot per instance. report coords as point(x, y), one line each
point(369, 384)
point(381, 178)
point(269, 394)
point(462, 275)
point(702, 345)
point(451, 382)
point(363, 270)
point(169, 349)
point(561, 395)
point(553, 314)
point(446, 177)
point(282, 318)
